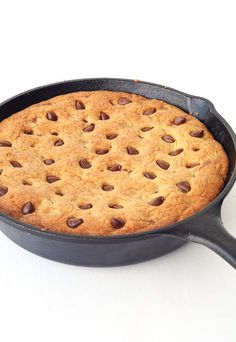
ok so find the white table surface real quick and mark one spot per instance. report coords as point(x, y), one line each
point(188, 295)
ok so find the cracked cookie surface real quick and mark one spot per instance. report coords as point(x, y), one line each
point(106, 163)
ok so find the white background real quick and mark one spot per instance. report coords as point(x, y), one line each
point(188, 295)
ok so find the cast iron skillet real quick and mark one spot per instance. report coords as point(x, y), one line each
point(205, 227)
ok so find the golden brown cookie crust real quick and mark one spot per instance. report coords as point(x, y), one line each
point(106, 163)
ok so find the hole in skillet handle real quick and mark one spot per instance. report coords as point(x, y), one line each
point(207, 229)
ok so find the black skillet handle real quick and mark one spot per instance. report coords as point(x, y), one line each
point(209, 231)
point(217, 238)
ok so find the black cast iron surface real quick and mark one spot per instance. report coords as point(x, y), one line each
point(205, 227)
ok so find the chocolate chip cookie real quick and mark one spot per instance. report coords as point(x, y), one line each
point(106, 163)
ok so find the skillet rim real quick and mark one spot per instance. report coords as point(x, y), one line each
point(30, 229)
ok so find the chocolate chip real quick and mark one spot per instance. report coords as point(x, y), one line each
point(59, 193)
point(107, 187)
point(51, 116)
point(102, 151)
point(3, 190)
point(149, 175)
point(54, 133)
point(179, 121)
point(168, 138)
point(49, 161)
point(149, 111)
point(27, 208)
point(84, 163)
point(176, 152)
point(85, 206)
point(73, 222)
point(163, 164)
point(146, 129)
point(25, 182)
point(115, 167)
point(184, 186)
point(52, 179)
point(28, 131)
point(197, 134)
point(59, 142)
point(79, 105)
point(104, 116)
point(191, 165)
point(89, 128)
point(5, 143)
point(117, 223)
point(123, 101)
point(111, 136)
point(15, 163)
point(132, 151)
point(115, 206)
point(196, 149)
point(157, 201)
